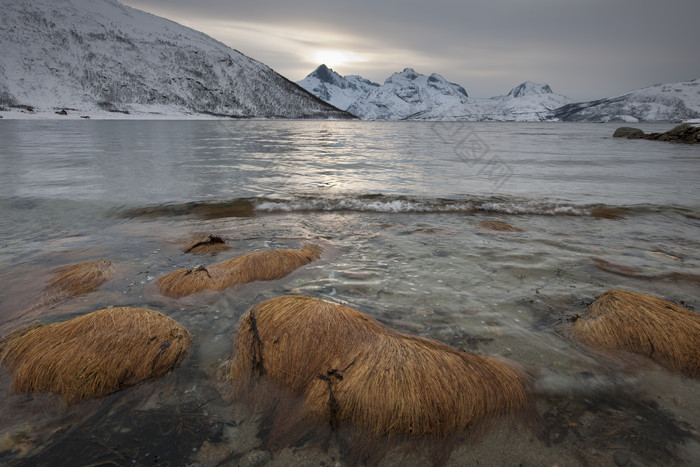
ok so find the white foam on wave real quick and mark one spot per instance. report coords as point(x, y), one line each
point(388, 204)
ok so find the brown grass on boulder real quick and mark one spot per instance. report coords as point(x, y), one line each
point(76, 280)
point(499, 226)
point(95, 354)
point(643, 324)
point(258, 266)
point(346, 367)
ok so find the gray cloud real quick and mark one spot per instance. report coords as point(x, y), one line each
point(583, 49)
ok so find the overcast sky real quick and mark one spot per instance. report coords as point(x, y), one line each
point(584, 49)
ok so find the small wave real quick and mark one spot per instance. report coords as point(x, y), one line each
point(380, 203)
point(239, 207)
point(403, 204)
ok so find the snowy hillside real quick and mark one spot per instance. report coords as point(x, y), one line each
point(661, 102)
point(339, 91)
point(99, 55)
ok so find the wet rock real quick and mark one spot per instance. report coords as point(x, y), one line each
point(590, 457)
point(498, 226)
point(605, 212)
point(211, 454)
point(256, 458)
point(683, 133)
point(629, 133)
point(621, 458)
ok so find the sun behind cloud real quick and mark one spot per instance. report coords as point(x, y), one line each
point(335, 57)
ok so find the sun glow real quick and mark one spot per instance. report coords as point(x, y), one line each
point(334, 57)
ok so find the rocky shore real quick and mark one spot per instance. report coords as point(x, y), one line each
point(683, 133)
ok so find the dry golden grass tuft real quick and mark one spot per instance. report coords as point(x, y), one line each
point(95, 354)
point(76, 280)
point(498, 226)
point(183, 282)
point(643, 324)
point(346, 367)
point(258, 266)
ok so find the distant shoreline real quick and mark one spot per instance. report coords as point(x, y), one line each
point(172, 115)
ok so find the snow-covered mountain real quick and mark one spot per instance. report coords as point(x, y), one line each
point(92, 55)
point(528, 88)
point(408, 95)
point(661, 102)
point(412, 96)
point(339, 91)
point(527, 102)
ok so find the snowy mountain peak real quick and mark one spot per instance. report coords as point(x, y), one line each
point(327, 75)
point(528, 88)
point(339, 91)
point(438, 81)
point(407, 74)
point(100, 55)
point(408, 95)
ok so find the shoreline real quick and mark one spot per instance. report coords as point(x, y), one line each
point(167, 113)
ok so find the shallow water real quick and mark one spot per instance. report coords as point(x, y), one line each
point(397, 207)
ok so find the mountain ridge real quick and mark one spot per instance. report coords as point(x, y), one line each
point(409, 95)
point(401, 98)
point(658, 102)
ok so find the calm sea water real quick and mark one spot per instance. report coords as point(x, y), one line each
point(397, 207)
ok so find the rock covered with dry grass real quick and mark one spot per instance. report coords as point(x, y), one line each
point(258, 266)
point(643, 324)
point(95, 354)
point(347, 368)
point(76, 280)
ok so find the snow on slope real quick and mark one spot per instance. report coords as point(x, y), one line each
point(99, 54)
point(661, 102)
point(339, 91)
point(528, 88)
point(528, 102)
